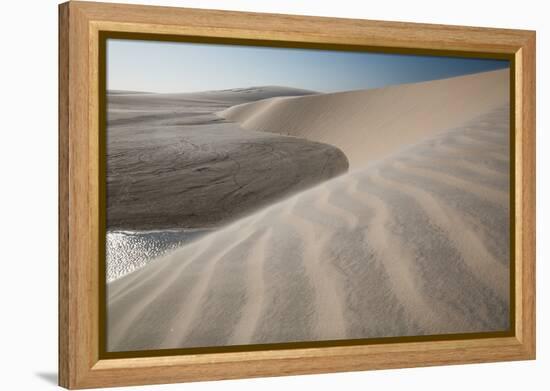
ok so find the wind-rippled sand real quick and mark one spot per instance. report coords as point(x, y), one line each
point(415, 243)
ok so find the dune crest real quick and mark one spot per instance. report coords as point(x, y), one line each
point(368, 125)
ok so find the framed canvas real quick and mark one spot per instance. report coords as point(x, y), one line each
point(245, 195)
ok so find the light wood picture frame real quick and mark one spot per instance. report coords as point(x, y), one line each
point(83, 29)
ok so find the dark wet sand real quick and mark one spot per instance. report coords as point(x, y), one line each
point(171, 162)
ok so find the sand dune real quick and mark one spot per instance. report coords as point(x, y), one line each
point(414, 244)
point(172, 163)
point(123, 104)
point(368, 125)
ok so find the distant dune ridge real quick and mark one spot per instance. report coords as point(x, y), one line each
point(123, 102)
point(414, 243)
point(370, 124)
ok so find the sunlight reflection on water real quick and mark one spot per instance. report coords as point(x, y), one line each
point(130, 250)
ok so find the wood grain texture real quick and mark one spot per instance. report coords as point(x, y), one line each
point(63, 178)
point(527, 187)
point(79, 202)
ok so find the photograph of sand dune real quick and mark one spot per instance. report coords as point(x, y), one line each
point(270, 195)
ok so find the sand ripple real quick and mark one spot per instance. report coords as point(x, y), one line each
point(415, 244)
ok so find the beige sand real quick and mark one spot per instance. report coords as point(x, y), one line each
point(414, 244)
point(370, 124)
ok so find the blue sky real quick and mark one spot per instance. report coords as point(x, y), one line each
point(186, 67)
